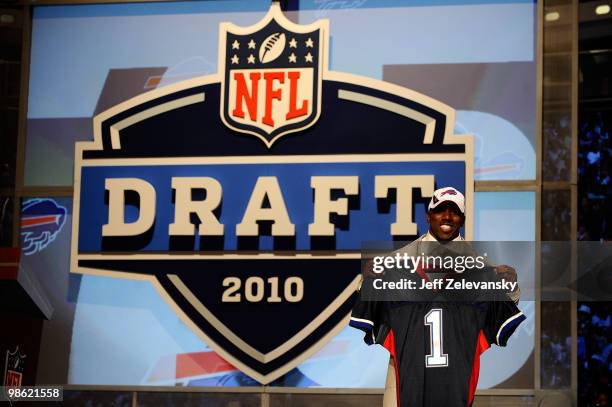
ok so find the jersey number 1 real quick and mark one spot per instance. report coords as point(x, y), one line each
point(436, 358)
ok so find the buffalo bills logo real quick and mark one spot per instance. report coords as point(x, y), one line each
point(272, 76)
point(41, 221)
point(449, 192)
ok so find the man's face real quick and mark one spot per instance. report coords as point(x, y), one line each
point(445, 220)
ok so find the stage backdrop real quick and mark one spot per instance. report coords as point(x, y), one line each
point(476, 57)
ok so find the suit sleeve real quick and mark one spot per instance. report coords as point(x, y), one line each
point(503, 317)
point(367, 316)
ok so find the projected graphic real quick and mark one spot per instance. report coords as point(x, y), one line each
point(117, 322)
point(41, 221)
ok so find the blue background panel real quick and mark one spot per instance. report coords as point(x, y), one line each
point(238, 180)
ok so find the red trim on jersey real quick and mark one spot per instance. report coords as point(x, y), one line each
point(421, 272)
point(481, 346)
point(389, 344)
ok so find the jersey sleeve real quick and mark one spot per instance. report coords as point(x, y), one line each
point(368, 317)
point(503, 317)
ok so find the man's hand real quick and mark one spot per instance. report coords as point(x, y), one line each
point(509, 274)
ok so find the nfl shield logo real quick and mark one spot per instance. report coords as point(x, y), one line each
point(271, 75)
point(264, 299)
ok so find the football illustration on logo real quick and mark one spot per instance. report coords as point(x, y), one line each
point(272, 47)
point(272, 85)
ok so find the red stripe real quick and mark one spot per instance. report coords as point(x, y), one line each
point(200, 363)
point(39, 220)
point(494, 168)
point(421, 272)
point(481, 346)
point(389, 344)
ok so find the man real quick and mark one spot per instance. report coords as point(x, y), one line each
point(446, 216)
point(443, 374)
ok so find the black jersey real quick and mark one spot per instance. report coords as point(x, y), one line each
point(436, 345)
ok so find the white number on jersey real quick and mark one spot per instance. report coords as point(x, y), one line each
point(436, 358)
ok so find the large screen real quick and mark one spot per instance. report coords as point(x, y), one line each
point(476, 56)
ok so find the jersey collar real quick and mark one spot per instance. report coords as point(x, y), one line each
point(428, 237)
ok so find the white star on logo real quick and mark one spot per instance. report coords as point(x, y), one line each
point(251, 44)
point(293, 43)
point(235, 44)
point(292, 58)
point(235, 59)
point(251, 59)
point(309, 43)
point(308, 57)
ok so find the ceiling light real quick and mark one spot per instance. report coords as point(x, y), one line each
point(552, 16)
point(602, 9)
